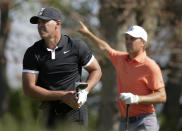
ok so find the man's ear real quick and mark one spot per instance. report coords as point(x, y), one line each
point(144, 44)
point(58, 22)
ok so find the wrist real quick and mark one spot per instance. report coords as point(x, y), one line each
point(136, 99)
point(62, 95)
point(89, 33)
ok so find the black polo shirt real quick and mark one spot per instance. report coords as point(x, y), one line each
point(58, 69)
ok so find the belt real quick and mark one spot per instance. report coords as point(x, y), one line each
point(136, 118)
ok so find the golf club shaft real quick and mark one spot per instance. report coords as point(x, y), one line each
point(127, 116)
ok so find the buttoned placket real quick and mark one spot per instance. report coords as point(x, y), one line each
point(53, 52)
point(129, 64)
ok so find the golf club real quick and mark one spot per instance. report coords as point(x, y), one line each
point(127, 116)
point(80, 86)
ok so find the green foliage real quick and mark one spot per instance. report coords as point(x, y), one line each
point(20, 106)
point(24, 115)
point(92, 121)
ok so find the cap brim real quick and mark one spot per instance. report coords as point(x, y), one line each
point(132, 34)
point(34, 19)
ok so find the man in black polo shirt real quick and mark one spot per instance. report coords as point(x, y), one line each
point(52, 66)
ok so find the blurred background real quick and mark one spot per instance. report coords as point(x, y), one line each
point(108, 19)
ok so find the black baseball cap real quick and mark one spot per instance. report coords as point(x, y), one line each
point(46, 14)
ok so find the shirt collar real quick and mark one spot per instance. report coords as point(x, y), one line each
point(62, 41)
point(60, 44)
point(140, 58)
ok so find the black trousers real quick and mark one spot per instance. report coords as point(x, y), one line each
point(60, 115)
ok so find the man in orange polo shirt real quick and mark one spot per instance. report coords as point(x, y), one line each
point(139, 79)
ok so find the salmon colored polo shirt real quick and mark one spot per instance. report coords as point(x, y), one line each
point(140, 76)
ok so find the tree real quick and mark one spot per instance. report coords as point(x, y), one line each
point(172, 19)
point(5, 6)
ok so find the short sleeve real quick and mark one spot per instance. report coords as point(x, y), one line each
point(30, 62)
point(84, 53)
point(155, 78)
point(116, 56)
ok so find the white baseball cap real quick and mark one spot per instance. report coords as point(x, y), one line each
point(137, 32)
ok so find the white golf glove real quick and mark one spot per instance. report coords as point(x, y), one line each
point(82, 96)
point(129, 98)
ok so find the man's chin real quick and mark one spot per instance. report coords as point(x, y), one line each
point(43, 35)
point(129, 51)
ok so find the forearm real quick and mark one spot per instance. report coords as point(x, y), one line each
point(32, 90)
point(93, 79)
point(153, 98)
point(40, 93)
point(85, 31)
point(102, 44)
point(95, 74)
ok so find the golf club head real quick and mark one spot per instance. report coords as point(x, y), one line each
point(80, 85)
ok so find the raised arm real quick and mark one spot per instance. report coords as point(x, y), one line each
point(101, 43)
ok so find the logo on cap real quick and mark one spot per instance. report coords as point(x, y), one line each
point(131, 28)
point(137, 32)
point(41, 11)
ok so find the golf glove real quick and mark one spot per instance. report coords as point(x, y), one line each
point(129, 98)
point(82, 96)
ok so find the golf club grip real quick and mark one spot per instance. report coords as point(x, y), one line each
point(81, 86)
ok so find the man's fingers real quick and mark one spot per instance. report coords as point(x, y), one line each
point(71, 99)
point(84, 27)
point(81, 23)
point(82, 97)
point(122, 96)
point(129, 98)
point(79, 101)
point(74, 105)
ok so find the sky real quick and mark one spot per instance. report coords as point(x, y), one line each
point(22, 35)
